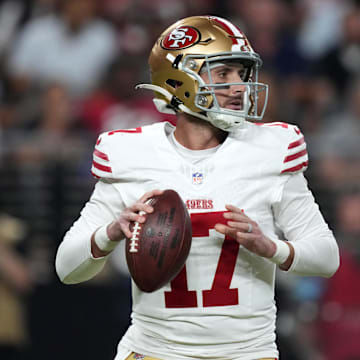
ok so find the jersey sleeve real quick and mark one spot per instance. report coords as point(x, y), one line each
point(301, 222)
point(102, 166)
point(295, 158)
point(74, 261)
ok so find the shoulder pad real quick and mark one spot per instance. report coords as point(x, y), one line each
point(102, 166)
point(295, 159)
point(293, 155)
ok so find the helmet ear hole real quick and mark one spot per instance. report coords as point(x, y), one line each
point(174, 83)
point(187, 94)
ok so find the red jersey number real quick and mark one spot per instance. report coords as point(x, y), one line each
point(220, 293)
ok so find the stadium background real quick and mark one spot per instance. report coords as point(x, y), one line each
point(67, 72)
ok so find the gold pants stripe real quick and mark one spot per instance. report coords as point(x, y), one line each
point(134, 356)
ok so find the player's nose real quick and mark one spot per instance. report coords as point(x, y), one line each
point(237, 88)
point(237, 84)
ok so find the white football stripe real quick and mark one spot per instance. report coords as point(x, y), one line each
point(292, 163)
point(100, 160)
point(296, 149)
point(233, 28)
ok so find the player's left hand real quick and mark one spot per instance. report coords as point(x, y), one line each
point(246, 232)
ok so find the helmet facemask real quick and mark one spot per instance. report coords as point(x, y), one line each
point(206, 98)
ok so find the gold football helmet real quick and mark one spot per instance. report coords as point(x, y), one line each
point(190, 47)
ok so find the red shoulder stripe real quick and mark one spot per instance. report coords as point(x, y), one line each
point(101, 155)
point(296, 168)
point(296, 143)
point(295, 156)
point(137, 130)
point(102, 167)
point(94, 175)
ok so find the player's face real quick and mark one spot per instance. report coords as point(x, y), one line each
point(231, 96)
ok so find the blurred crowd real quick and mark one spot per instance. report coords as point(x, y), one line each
point(67, 72)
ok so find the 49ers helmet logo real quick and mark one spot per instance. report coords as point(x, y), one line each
point(181, 38)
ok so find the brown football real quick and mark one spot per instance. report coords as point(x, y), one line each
point(158, 248)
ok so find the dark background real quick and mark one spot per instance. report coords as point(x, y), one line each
point(67, 72)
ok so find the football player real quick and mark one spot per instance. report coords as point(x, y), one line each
point(244, 186)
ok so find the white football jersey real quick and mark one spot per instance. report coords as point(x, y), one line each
point(221, 304)
point(224, 295)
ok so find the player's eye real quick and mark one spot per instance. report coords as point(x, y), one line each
point(221, 74)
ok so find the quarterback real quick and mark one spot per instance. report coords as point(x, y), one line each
point(243, 183)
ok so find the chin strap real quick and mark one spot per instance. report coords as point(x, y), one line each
point(220, 121)
point(226, 121)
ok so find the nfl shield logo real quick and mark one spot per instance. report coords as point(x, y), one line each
point(197, 178)
point(139, 356)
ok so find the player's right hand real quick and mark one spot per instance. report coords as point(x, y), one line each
point(120, 228)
